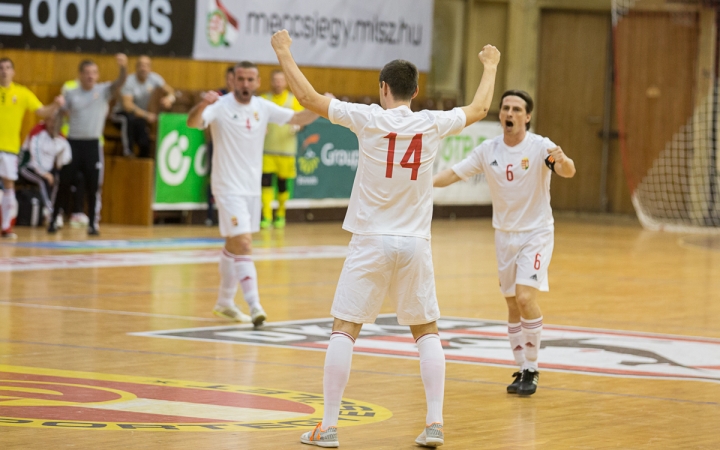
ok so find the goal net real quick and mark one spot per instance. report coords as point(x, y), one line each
point(666, 88)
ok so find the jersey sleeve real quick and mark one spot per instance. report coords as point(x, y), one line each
point(33, 104)
point(350, 115)
point(278, 114)
point(450, 122)
point(210, 114)
point(106, 89)
point(472, 165)
point(158, 80)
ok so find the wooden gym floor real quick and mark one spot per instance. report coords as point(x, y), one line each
point(68, 360)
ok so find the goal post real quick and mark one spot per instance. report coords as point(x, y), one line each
point(666, 84)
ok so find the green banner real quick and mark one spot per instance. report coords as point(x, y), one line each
point(327, 160)
point(181, 164)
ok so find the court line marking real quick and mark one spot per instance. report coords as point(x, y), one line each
point(372, 372)
point(109, 311)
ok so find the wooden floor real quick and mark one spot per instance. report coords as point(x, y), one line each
point(606, 273)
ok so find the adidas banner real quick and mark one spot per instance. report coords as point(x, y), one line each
point(341, 33)
point(153, 27)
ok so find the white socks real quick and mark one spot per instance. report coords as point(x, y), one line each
point(337, 373)
point(234, 269)
point(532, 330)
point(432, 370)
point(517, 342)
point(228, 281)
point(9, 208)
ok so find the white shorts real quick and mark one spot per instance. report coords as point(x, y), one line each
point(238, 214)
point(399, 267)
point(8, 166)
point(523, 258)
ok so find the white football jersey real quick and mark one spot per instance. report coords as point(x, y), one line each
point(238, 134)
point(392, 192)
point(519, 181)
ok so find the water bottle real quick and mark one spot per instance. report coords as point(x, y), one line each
point(35, 212)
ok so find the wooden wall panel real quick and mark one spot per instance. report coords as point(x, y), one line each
point(487, 24)
point(572, 67)
point(127, 194)
point(656, 71)
point(45, 72)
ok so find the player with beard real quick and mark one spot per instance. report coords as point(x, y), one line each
point(518, 166)
point(237, 122)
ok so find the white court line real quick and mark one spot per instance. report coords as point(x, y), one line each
point(109, 311)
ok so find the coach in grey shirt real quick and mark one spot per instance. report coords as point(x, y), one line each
point(133, 114)
point(87, 107)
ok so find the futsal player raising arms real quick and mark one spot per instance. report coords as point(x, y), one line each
point(237, 122)
point(389, 215)
point(518, 165)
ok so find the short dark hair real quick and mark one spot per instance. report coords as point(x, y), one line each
point(245, 65)
point(529, 104)
point(2, 60)
point(84, 63)
point(230, 69)
point(402, 78)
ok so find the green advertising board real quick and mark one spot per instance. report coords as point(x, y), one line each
point(181, 176)
point(327, 160)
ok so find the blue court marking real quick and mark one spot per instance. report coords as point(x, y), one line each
point(130, 244)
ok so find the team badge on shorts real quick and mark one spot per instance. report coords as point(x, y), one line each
point(525, 164)
point(234, 221)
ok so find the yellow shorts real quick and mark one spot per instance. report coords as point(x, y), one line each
point(282, 166)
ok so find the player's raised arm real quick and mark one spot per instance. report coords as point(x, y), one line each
point(299, 85)
point(562, 165)
point(445, 178)
point(195, 119)
point(478, 109)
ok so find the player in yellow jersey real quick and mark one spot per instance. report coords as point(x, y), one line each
point(279, 153)
point(14, 101)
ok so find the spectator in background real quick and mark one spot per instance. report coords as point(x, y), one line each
point(133, 111)
point(87, 107)
point(279, 153)
point(44, 152)
point(229, 77)
point(76, 200)
point(14, 101)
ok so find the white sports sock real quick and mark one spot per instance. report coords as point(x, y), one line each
point(532, 329)
point(9, 209)
point(338, 360)
point(517, 342)
point(228, 281)
point(432, 370)
point(246, 275)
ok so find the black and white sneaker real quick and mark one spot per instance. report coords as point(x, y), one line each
point(92, 231)
point(528, 382)
point(513, 387)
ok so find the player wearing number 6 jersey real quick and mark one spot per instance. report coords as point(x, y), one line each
point(518, 166)
point(389, 215)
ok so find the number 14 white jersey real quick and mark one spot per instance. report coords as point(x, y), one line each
point(392, 192)
point(519, 181)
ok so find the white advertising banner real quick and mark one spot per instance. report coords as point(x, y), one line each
point(454, 149)
point(360, 34)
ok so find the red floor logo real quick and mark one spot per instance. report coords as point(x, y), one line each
point(473, 341)
point(33, 397)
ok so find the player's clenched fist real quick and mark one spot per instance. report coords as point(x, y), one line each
point(121, 59)
point(281, 40)
point(557, 154)
point(210, 97)
point(489, 56)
